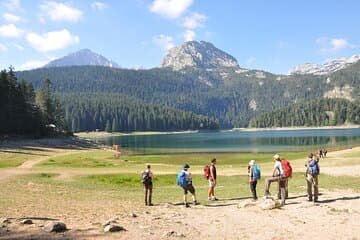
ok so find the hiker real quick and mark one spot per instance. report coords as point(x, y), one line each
point(324, 152)
point(320, 153)
point(212, 181)
point(184, 180)
point(254, 175)
point(277, 176)
point(147, 178)
point(312, 172)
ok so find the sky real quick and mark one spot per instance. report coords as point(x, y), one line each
point(269, 35)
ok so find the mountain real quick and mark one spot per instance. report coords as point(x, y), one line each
point(81, 58)
point(205, 86)
point(200, 55)
point(328, 67)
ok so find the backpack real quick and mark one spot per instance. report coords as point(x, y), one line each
point(207, 171)
point(181, 179)
point(286, 167)
point(145, 177)
point(314, 169)
point(256, 172)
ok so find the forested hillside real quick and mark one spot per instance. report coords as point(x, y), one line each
point(232, 96)
point(24, 112)
point(319, 112)
point(114, 112)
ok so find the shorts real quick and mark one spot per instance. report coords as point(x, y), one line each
point(189, 188)
point(211, 183)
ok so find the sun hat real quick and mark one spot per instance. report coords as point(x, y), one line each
point(276, 156)
point(186, 166)
point(252, 162)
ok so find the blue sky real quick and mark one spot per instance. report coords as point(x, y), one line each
point(271, 35)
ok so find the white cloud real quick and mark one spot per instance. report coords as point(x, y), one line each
point(250, 61)
point(170, 8)
point(10, 30)
point(3, 48)
point(189, 35)
point(11, 17)
point(332, 45)
point(60, 11)
point(51, 41)
point(99, 5)
point(339, 43)
point(32, 64)
point(18, 46)
point(194, 21)
point(13, 5)
point(165, 42)
point(283, 44)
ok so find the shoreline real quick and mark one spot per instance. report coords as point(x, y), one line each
point(103, 134)
point(295, 128)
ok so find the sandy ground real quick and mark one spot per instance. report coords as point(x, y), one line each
point(336, 216)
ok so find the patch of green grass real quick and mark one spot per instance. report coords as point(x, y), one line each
point(89, 159)
point(16, 157)
point(203, 159)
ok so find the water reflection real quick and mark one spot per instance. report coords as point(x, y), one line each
point(263, 141)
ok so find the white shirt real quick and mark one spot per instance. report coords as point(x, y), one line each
point(279, 168)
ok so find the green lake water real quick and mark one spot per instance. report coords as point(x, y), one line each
point(238, 141)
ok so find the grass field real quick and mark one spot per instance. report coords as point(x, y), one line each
point(97, 175)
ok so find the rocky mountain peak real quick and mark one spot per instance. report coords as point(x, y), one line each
point(198, 54)
point(326, 68)
point(82, 57)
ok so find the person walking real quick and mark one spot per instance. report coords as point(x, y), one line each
point(254, 175)
point(147, 181)
point(277, 176)
point(187, 185)
point(312, 172)
point(212, 181)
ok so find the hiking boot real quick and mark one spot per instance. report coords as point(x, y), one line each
point(150, 204)
point(214, 198)
point(196, 203)
point(187, 205)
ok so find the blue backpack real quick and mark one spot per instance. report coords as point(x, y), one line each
point(181, 179)
point(256, 172)
point(314, 169)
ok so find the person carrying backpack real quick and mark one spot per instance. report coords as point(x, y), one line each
point(312, 172)
point(146, 180)
point(254, 175)
point(184, 180)
point(279, 176)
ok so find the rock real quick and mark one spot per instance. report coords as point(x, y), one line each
point(4, 221)
point(55, 227)
point(172, 233)
point(26, 221)
point(268, 204)
point(114, 228)
point(110, 221)
point(133, 215)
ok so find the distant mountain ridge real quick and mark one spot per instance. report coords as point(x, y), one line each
point(82, 57)
point(324, 69)
point(198, 54)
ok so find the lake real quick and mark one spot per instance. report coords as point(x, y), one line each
point(238, 141)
